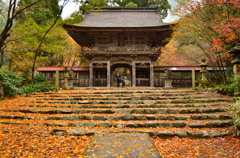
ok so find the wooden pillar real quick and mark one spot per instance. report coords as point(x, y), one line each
point(133, 74)
point(151, 74)
point(56, 81)
point(91, 75)
point(193, 79)
point(108, 74)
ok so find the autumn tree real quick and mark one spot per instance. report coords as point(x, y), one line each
point(175, 55)
point(210, 25)
point(12, 12)
point(28, 36)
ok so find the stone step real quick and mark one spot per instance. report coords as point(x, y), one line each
point(121, 98)
point(117, 93)
point(221, 116)
point(87, 106)
point(126, 124)
point(127, 100)
point(164, 134)
point(182, 113)
point(125, 91)
point(126, 111)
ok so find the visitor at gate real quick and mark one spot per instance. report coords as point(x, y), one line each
point(118, 78)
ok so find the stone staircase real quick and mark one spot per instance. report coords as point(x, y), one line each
point(160, 113)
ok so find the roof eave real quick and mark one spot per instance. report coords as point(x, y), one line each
point(69, 26)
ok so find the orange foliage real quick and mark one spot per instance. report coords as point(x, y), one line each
point(172, 55)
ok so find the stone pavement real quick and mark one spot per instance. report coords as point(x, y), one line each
point(117, 145)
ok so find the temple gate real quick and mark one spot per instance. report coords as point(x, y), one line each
point(121, 37)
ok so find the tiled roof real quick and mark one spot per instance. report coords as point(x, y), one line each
point(122, 18)
point(185, 68)
point(61, 68)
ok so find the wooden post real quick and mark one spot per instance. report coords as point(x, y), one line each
point(91, 75)
point(108, 74)
point(56, 81)
point(236, 70)
point(193, 79)
point(151, 74)
point(133, 74)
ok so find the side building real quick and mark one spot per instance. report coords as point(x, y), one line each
point(181, 75)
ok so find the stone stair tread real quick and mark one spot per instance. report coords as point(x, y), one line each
point(215, 116)
point(165, 133)
point(160, 113)
point(131, 124)
point(185, 105)
point(123, 110)
point(154, 97)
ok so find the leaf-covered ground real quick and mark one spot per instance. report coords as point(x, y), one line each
point(34, 145)
point(14, 144)
point(228, 147)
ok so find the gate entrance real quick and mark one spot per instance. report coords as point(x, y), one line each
point(121, 38)
point(125, 71)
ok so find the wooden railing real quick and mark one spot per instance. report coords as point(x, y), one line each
point(100, 82)
point(82, 82)
point(176, 82)
point(143, 82)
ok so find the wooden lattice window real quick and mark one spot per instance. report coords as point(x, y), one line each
point(142, 73)
point(100, 74)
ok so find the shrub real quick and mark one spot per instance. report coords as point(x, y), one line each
point(11, 82)
point(236, 116)
point(38, 87)
point(27, 78)
point(39, 78)
point(232, 89)
point(205, 83)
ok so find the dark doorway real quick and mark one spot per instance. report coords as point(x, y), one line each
point(125, 71)
point(100, 78)
point(142, 77)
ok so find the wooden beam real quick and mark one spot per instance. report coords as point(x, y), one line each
point(117, 53)
point(91, 74)
point(193, 79)
point(75, 30)
point(108, 74)
point(151, 74)
point(56, 81)
point(133, 74)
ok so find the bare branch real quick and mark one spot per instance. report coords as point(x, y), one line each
point(3, 16)
point(37, 51)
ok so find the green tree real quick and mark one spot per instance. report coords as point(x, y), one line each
point(163, 5)
point(28, 36)
point(41, 13)
point(88, 5)
point(131, 4)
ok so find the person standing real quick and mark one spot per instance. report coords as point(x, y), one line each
point(118, 77)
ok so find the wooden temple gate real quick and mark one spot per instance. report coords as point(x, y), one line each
point(121, 37)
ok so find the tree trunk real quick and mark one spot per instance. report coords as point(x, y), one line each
point(11, 15)
point(38, 49)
